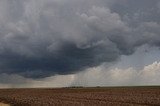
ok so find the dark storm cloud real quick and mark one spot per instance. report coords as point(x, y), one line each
point(48, 37)
point(68, 59)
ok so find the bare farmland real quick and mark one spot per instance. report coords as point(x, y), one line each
point(120, 96)
point(3, 104)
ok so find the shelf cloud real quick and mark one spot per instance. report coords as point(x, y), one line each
point(44, 38)
point(97, 76)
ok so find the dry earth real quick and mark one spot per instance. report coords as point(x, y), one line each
point(3, 104)
point(118, 96)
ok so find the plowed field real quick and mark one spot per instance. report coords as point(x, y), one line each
point(118, 96)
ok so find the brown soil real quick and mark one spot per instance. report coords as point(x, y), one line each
point(128, 96)
point(3, 104)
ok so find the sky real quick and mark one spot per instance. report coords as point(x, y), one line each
point(62, 43)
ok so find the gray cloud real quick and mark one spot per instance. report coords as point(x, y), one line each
point(44, 38)
point(97, 76)
point(149, 75)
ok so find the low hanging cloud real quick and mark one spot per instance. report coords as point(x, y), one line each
point(97, 76)
point(41, 38)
